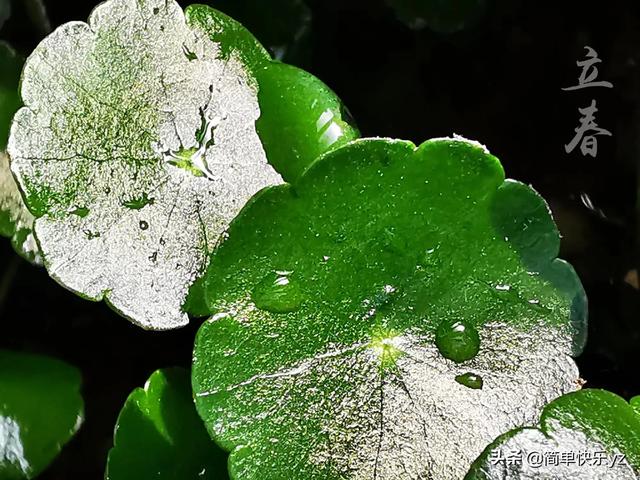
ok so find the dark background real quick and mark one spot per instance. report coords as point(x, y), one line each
point(498, 80)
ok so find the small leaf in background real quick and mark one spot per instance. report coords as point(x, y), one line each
point(383, 317)
point(40, 410)
point(37, 12)
point(159, 434)
point(441, 16)
point(582, 435)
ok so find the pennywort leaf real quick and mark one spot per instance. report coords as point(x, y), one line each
point(583, 435)
point(40, 410)
point(159, 434)
point(383, 317)
point(136, 147)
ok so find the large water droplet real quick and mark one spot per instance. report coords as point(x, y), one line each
point(457, 340)
point(278, 293)
point(470, 380)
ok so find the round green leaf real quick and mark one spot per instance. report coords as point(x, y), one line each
point(159, 434)
point(582, 435)
point(40, 410)
point(321, 360)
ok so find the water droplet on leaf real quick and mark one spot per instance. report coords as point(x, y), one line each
point(278, 293)
point(457, 340)
point(143, 225)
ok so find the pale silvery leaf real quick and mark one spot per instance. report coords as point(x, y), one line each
point(18, 217)
point(136, 147)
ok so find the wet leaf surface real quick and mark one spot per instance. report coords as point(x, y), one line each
point(582, 435)
point(322, 359)
point(159, 434)
point(40, 410)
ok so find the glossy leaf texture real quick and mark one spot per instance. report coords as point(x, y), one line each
point(385, 317)
point(159, 434)
point(40, 410)
point(137, 146)
point(585, 435)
